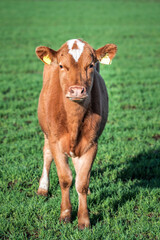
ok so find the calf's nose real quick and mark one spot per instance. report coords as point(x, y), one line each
point(77, 92)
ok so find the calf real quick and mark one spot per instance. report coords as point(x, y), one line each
point(72, 112)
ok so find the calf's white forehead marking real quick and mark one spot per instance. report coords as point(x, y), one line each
point(76, 53)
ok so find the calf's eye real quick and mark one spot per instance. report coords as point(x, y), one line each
point(91, 65)
point(60, 66)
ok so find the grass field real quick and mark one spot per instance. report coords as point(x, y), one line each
point(125, 179)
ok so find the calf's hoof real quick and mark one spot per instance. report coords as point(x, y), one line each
point(82, 226)
point(83, 222)
point(65, 216)
point(66, 219)
point(42, 192)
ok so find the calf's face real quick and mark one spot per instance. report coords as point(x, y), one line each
point(76, 63)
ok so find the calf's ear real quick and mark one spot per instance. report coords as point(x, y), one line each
point(106, 54)
point(46, 55)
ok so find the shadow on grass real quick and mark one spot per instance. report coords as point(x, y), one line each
point(145, 168)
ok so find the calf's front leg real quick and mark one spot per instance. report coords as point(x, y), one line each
point(65, 180)
point(83, 166)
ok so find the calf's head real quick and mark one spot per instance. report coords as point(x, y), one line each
point(76, 63)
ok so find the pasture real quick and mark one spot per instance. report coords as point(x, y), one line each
point(124, 202)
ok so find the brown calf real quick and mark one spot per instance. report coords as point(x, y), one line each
point(72, 112)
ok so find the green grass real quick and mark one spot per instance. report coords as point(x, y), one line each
point(125, 179)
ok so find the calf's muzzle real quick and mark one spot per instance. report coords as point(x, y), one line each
point(77, 93)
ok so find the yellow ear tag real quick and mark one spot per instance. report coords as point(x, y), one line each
point(106, 60)
point(47, 59)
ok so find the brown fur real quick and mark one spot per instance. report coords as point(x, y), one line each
point(72, 128)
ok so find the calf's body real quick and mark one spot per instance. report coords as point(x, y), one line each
point(72, 112)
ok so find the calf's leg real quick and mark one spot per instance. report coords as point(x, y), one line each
point(44, 180)
point(83, 166)
point(65, 180)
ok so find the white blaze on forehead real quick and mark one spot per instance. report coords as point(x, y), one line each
point(76, 53)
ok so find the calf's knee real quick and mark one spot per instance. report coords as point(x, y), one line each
point(65, 180)
point(82, 186)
